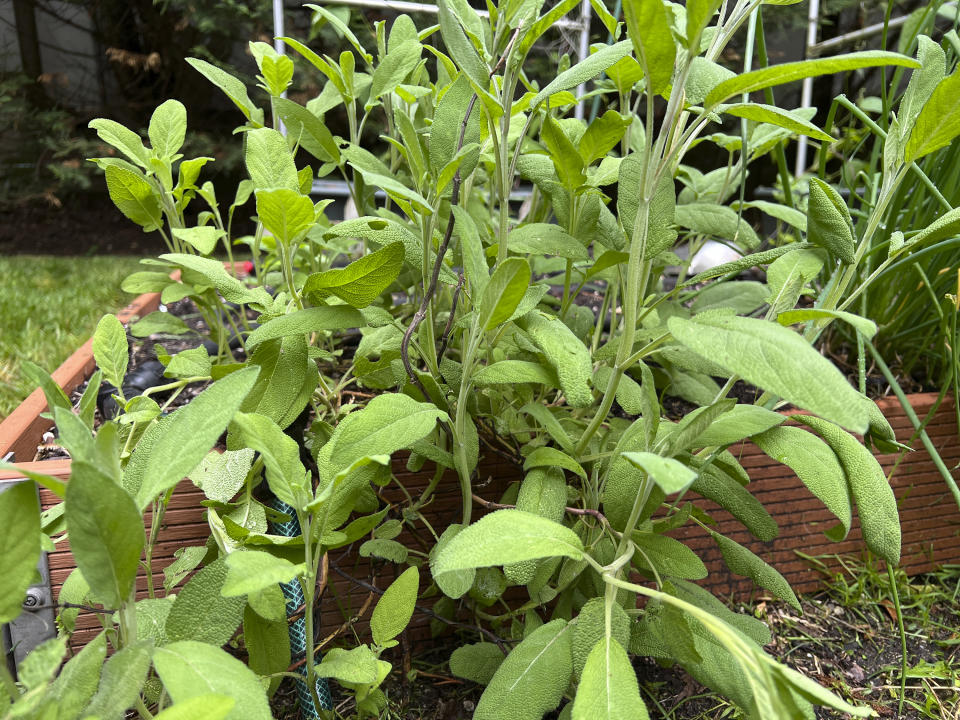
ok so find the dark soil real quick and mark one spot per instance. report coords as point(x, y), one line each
point(851, 647)
point(84, 225)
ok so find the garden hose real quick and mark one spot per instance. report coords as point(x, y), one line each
point(298, 628)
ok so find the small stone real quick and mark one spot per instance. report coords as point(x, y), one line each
point(468, 705)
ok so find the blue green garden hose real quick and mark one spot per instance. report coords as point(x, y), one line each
point(298, 628)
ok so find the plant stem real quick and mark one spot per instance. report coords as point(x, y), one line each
point(894, 590)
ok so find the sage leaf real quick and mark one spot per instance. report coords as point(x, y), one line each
point(717, 220)
point(226, 284)
point(551, 457)
point(110, 349)
point(308, 320)
point(358, 665)
point(79, 678)
point(208, 707)
point(168, 128)
point(585, 70)
point(308, 130)
point(531, 680)
point(158, 323)
point(203, 239)
point(670, 475)
point(186, 437)
point(776, 359)
point(231, 87)
point(545, 239)
point(192, 363)
point(742, 561)
point(503, 293)
point(869, 488)
point(828, 221)
point(123, 139)
point(191, 669)
point(221, 475)
point(608, 686)
point(395, 607)
point(19, 545)
point(285, 473)
point(741, 421)
point(388, 423)
point(201, 612)
point(392, 69)
point(121, 681)
point(106, 533)
point(269, 160)
point(362, 281)
point(938, 122)
point(285, 213)
point(267, 643)
point(134, 197)
point(250, 571)
point(453, 584)
point(815, 464)
point(922, 83)
point(653, 44)
point(773, 115)
point(715, 484)
point(504, 537)
point(512, 372)
point(56, 397)
point(945, 226)
point(866, 327)
point(477, 662)
point(287, 379)
point(789, 72)
point(565, 353)
point(666, 556)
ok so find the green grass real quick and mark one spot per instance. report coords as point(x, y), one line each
point(49, 306)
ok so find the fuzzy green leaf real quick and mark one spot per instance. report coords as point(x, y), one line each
point(869, 488)
point(285, 213)
point(362, 281)
point(209, 707)
point(168, 128)
point(776, 359)
point(653, 43)
point(789, 72)
point(584, 70)
point(187, 436)
point(395, 607)
point(504, 537)
point(308, 320)
point(551, 457)
point(308, 130)
point(742, 561)
point(269, 160)
point(866, 327)
point(121, 682)
point(608, 686)
point(192, 669)
point(504, 292)
point(285, 473)
point(670, 475)
point(250, 571)
point(531, 680)
point(19, 545)
point(201, 612)
point(828, 221)
point(773, 115)
point(546, 239)
point(106, 533)
point(939, 121)
point(231, 87)
point(477, 662)
point(134, 197)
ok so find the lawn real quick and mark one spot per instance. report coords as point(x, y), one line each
point(48, 307)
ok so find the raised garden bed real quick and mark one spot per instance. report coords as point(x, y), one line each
point(929, 518)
